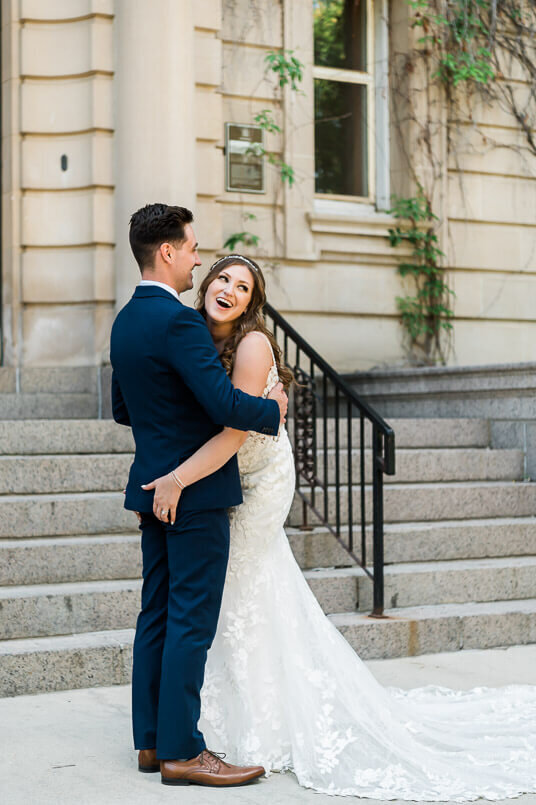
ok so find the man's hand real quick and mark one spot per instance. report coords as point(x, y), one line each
point(166, 498)
point(281, 399)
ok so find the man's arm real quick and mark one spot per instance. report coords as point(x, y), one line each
point(252, 364)
point(193, 355)
point(119, 408)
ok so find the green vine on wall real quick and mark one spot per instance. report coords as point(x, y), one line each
point(288, 70)
point(464, 51)
point(427, 313)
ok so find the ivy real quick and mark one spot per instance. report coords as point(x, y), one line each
point(426, 313)
point(459, 35)
point(289, 70)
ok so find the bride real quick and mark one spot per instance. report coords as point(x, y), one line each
point(283, 689)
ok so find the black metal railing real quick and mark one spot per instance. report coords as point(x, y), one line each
point(342, 449)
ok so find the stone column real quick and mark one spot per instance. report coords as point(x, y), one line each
point(154, 116)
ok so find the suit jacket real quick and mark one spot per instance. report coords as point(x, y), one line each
point(168, 384)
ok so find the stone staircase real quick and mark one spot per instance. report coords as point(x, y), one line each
point(460, 541)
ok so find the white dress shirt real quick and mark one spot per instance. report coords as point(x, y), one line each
point(163, 285)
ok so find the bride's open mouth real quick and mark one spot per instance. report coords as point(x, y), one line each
point(223, 303)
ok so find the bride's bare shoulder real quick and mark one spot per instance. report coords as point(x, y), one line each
point(254, 344)
point(253, 355)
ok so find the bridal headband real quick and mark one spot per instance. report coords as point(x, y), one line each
point(239, 257)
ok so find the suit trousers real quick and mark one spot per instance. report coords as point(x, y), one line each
point(184, 568)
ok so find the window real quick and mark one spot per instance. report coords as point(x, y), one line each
point(344, 97)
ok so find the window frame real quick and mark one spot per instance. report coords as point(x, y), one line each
point(366, 79)
point(379, 142)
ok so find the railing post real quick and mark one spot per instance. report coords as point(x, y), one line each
point(377, 526)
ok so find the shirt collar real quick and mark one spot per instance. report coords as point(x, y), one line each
point(163, 285)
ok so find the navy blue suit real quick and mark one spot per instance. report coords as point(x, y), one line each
point(170, 387)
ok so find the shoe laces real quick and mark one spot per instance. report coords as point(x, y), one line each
point(218, 756)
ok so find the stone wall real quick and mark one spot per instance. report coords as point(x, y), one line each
point(135, 95)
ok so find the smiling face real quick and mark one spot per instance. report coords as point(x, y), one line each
point(229, 294)
point(183, 258)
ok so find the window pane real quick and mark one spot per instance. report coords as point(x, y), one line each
point(341, 138)
point(340, 33)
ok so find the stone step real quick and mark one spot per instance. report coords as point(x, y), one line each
point(414, 433)
point(43, 437)
point(48, 405)
point(73, 514)
point(103, 658)
point(42, 610)
point(107, 556)
point(70, 514)
point(48, 474)
point(432, 501)
point(46, 664)
point(446, 627)
point(54, 609)
point(427, 583)
point(52, 560)
point(428, 465)
point(428, 541)
point(31, 475)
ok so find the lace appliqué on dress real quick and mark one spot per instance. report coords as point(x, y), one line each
point(283, 688)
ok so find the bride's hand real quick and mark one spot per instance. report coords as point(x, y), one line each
point(166, 498)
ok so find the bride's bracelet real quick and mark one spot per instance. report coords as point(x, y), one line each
point(178, 481)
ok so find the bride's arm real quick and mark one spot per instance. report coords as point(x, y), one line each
point(252, 364)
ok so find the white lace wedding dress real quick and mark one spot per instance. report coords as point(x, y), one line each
point(283, 689)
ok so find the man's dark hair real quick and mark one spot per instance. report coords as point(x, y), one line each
point(153, 225)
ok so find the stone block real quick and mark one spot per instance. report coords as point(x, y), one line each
point(61, 663)
point(501, 154)
point(67, 50)
point(89, 161)
point(243, 73)
point(336, 590)
point(208, 55)
point(58, 609)
point(57, 436)
point(71, 218)
point(63, 559)
point(64, 9)
point(67, 105)
point(77, 379)
point(431, 501)
point(493, 295)
point(8, 379)
point(210, 169)
point(501, 342)
point(451, 539)
point(68, 275)
point(59, 335)
point(501, 199)
point(207, 14)
point(266, 220)
point(259, 26)
point(23, 475)
point(484, 245)
point(209, 231)
point(47, 406)
point(208, 115)
point(72, 514)
point(529, 435)
point(317, 548)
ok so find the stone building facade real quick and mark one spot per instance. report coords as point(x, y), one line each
point(109, 104)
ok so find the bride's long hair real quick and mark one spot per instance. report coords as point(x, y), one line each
point(252, 318)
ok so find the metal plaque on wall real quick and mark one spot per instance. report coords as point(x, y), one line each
point(244, 161)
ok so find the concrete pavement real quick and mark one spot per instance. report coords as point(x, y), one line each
point(74, 747)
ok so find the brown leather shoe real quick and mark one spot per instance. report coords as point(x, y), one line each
point(208, 768)
point(147, 761)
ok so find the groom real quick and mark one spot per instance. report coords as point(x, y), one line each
point(169, 386)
